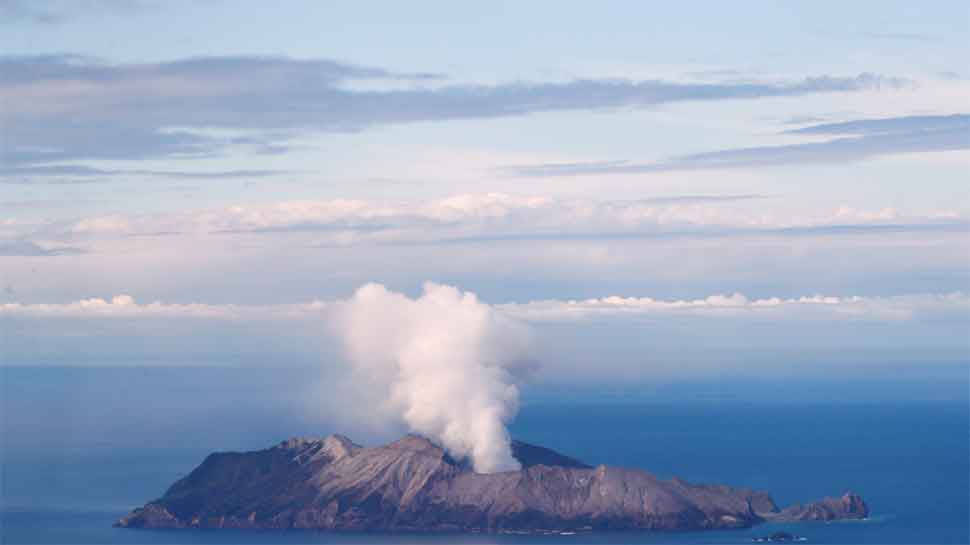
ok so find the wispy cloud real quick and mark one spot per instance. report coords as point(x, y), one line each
point(870, 138)
point(889, 308)
point(893, 125)
point(60, 11)
point(902, 36)
point(888, 36)
point(29, 174)
point(737, 305)
point(66, 107)
point(492, 217)
point(26, 248)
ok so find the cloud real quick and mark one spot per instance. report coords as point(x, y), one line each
point(60, 11)
point(892, 125)
point(911, 37)
point(925, 306)
point(902, 36)
point(621, 333)
point(28, 174)
point(26, 248)
point(497, 216)
point(69, 107)
point(702, 199)
point(35, 204)
point(125, 307)
point(895, 308)
point(872, 138)
point(121, 331)
point(503, 246)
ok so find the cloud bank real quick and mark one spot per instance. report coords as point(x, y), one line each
point(370, 302)
point(737, 305)
point(478, 217)
point(67, 107)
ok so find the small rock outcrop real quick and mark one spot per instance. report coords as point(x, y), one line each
point(778, 537)
point(414, 485)
point(849, 506)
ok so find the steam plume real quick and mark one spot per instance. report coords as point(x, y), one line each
point(445, 364)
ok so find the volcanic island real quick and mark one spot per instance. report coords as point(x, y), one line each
point(413, 485)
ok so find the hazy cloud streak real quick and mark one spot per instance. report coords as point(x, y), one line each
point(493, 216)
point(66, 107)
point(873, 138)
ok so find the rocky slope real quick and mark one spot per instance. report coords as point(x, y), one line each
point(413, 485)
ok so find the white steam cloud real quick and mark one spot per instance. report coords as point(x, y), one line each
point(445, 364)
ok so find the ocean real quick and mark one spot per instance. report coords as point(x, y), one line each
point(83, 446)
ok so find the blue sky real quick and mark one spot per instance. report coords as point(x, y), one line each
point(216, 162)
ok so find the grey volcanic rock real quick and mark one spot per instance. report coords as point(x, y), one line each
point(849, 506)
point(413, 485)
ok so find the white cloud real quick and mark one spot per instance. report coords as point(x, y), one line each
point(483, 216)
point(125, 306)
point(86, 320)
point(505, 247)
point(893, 308)
point(736, 305)
point(122, 111)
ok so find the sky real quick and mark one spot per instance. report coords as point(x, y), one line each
point(655, 189)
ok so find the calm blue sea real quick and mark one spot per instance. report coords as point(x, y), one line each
point(84, 446)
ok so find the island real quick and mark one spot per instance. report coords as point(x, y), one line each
point(413, 485)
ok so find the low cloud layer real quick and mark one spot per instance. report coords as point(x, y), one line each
point(371, 297)
point(378, 330)
point(479, 217)
point(895, 308)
